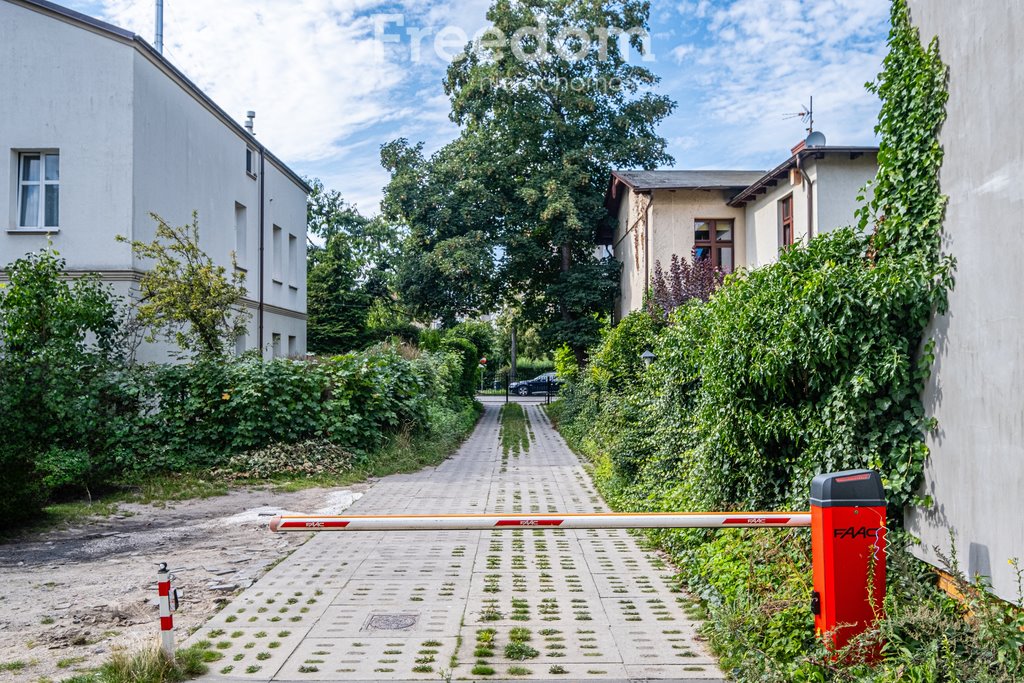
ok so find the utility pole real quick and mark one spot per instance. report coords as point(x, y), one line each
point(512, 370)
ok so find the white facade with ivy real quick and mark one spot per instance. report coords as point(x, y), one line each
point(101, 131)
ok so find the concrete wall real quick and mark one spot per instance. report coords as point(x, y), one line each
point(132, 141)
point(836, 182)
point(670, 219)
point(674, 215)
point(628, 248)
point(764, 225)
point(185, 160)
point(976, 470)
point(840, 180)
point(68, 90)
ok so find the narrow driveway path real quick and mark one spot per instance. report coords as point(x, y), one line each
point(404, 606)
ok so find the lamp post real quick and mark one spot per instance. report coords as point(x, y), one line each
point(648, 357)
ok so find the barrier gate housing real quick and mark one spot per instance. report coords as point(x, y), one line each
point(847, 520)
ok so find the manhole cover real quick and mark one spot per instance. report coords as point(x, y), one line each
point(390, 622)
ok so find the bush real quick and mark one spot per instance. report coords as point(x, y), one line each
point(470, 362)
point(306, 458)
point(74, 415)
point(58, 404)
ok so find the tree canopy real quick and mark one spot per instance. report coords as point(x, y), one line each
point(548, 104)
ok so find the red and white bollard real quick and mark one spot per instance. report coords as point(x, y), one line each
point(848, 547)
point(163, 585)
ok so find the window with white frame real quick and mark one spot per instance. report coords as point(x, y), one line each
point(38, 190)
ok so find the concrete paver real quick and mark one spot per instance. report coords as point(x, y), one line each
point(407, 606)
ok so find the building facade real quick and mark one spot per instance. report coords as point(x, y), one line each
point(99, 130)
point(975, 473)
point(737, 219)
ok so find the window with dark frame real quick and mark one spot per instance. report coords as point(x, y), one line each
point(713, 239)
point(786, 220)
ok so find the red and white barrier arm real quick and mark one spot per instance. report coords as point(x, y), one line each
point(596, 520)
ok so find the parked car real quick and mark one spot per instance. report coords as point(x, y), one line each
point(537, 385)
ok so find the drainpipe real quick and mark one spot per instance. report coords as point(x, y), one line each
point(648, 214)
point(259, 308)
point(810, 197)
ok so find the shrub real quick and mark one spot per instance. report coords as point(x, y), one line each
point(470, 362)
point(307, 458)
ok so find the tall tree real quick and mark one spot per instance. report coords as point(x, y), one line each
point(347, 271)
point(548, 105)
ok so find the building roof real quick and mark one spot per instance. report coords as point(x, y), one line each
point(687, 180)
point(646, 181)
point(148, 51)
point(771, 178)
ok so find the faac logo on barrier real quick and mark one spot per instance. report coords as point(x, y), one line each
point(853, 532)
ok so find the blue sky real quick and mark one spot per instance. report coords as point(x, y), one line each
point(327, 92)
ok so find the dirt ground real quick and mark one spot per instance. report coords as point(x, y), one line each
point(69, 597)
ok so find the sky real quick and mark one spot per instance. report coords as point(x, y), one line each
point(332, 80)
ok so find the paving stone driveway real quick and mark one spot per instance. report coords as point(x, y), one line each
point(409, 606)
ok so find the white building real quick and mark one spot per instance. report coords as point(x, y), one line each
point(738, 219)
point(99, 129)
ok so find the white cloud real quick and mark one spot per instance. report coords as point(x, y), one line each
point(308, 67)
point(680, 52)
point(761, 65)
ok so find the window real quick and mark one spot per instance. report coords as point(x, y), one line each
point(250, 161)
point(38, 190)
point(276, 245)
point(275, 345)
point(241, 233)
point(293, 261)
point(293, 346)
point(240, 344)
point(712, 239)
point(786, 221)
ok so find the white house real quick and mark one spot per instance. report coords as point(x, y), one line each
point(738, 219)
point(99, 130)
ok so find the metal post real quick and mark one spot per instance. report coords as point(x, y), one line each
point(163, 585)
point(507, 382)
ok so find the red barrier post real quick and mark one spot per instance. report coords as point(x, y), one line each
point(163, 584)
point(848, 550)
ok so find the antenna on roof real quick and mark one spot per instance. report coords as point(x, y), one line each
point(159, 38)
point(806, 114)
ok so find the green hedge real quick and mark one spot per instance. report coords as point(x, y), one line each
point(74, 413)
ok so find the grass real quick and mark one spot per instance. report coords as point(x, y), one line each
point(150, 666)
point(515, 438)
point(16, 665)
point(520, 651)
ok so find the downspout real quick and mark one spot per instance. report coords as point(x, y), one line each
point(648, 214)
point(810, 197)
point(259, 307)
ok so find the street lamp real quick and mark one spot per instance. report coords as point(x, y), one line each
point(648, 357)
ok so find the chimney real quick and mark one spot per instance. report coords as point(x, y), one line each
point(159, 38)
point(250, 115)
point(800, 146)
